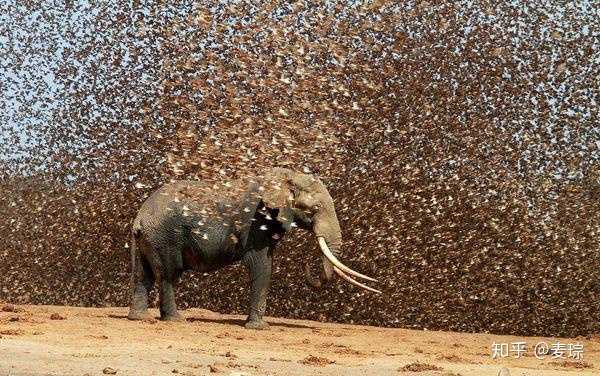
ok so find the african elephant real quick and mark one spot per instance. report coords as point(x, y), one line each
point(187, 225)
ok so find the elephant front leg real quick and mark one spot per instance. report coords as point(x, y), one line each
point(259, 265)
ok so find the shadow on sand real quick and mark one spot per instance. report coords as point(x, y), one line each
point(240, 322)
point(225, 321)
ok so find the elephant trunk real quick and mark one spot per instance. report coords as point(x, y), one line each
point(325, 225)
point(328, 233)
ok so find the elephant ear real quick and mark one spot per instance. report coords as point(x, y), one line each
point(276, 190)
point(277, 194)
point(248, 205)
point(277, 197)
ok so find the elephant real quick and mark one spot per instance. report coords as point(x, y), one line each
point(190, 225)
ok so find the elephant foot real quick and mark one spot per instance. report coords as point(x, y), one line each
point(139, 315)
point(257, 325)
point(176, 317)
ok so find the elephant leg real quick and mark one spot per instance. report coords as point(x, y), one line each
point(142, 281)
point(168, 308)
point(259, 265)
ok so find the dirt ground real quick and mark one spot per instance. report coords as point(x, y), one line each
point(50, 340)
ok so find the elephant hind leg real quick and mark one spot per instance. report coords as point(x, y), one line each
point(142, 281)
point(168, 307)
point(167, 274)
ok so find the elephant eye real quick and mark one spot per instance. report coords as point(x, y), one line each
point(302, 200)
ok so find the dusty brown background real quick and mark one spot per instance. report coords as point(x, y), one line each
point(460, 143)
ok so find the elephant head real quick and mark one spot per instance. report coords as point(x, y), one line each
point(304, 199)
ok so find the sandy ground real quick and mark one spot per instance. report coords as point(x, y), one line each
point(49, 340)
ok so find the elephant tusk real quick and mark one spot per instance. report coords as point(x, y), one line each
point(354, 282)
point(336, 262)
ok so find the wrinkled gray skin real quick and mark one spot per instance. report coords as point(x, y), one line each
point(186, 225)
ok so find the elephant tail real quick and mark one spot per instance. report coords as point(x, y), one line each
point(136, 228)
point(136, 259)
